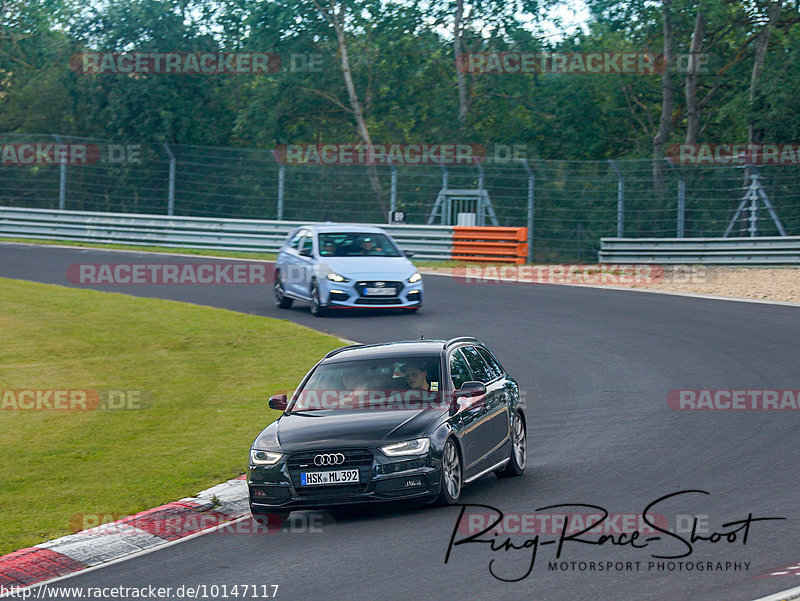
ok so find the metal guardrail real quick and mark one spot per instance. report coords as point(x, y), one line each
point(427, 242)
point(776, 250)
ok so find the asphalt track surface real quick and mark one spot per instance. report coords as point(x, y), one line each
point(596, 366)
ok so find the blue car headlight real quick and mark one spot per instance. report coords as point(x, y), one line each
point(335, 277)
point(414, 278)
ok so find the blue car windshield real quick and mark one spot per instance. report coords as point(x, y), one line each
point(356, 244)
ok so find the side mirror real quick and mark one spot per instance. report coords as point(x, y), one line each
point(408, 254)
point(469, 390)
point(306, 252)
point(279, 402)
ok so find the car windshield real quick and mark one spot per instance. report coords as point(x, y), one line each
point(390, 383)
point(356, 244)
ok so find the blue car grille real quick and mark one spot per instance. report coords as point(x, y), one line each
point(362, 285)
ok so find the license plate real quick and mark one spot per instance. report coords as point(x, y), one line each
point(379, 291)
point(335, 477)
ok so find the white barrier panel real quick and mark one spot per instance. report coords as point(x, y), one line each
point(427, 242)
point(775, 250)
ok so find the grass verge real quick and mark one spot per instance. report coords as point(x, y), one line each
point(260, 256)
point(205, 373)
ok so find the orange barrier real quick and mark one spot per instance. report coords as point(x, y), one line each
point(490, 244)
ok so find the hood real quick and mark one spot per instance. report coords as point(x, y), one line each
point(320, 429)
point(386, 268)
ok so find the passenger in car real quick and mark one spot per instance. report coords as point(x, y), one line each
point(328, 248)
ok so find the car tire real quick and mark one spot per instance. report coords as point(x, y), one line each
point(280, 298)
point(452, 478)
point(518, 456)
point(317, 308)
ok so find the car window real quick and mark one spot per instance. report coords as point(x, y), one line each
point(459, 370)
point(295, 243)
point(307, 243)
point(477, 365)
point(356, 244)
point(494, 366)
point(378, 383)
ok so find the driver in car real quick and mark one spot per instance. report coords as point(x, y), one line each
point(416, 375)
point(368, 247)
point(421, 390)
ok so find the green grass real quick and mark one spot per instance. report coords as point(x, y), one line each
point(207, 372)
point(261, 256)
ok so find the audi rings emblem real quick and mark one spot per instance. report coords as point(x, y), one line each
point(328, 459)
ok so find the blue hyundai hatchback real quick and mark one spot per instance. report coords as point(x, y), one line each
point(345, 266)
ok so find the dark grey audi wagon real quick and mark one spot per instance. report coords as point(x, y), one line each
point(382, 422)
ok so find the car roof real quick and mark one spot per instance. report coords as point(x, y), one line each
point(399, 349)
point(343, 228)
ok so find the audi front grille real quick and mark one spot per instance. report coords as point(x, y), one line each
point(303, 461)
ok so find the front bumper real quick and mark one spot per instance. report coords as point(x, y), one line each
point(353, 294)
point(381, 478)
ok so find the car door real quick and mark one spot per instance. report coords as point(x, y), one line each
point(495, 406)
point(470, 420)
point(306, 263)
point(296, 274)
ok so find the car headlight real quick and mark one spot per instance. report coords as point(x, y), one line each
point(335, 277)
point(414, 278)
point(264, 457)
point(418, 446)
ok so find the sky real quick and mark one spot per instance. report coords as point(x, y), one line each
point(573, 16)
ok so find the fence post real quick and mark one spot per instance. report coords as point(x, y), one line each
point(171, 189)
point(753, 219)
point(393, 197)
point(681, 219)
point(681, 206)
point(281, 184)
point(62, 180)
point(531, 182)
point(620, 200)
point(480, 208)
point(446, 199)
